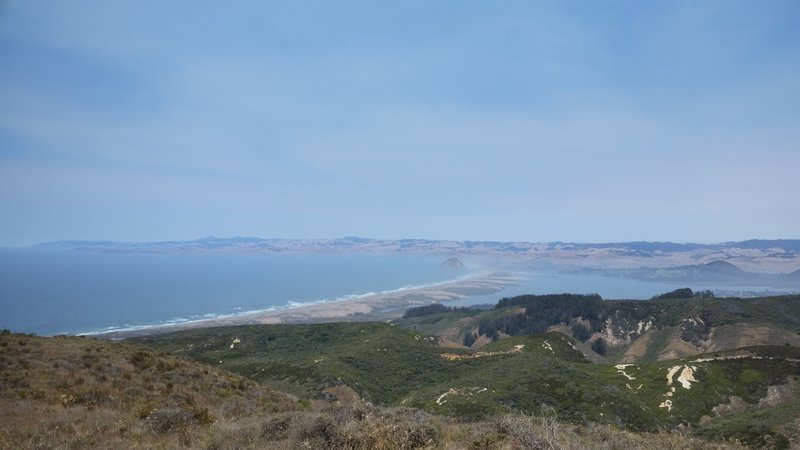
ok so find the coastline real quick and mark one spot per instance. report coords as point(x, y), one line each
point(378, 306)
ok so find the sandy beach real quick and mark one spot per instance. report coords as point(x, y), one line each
point(381, 306)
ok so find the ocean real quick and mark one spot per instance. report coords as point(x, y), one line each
point(54, 292)
point(610, 288)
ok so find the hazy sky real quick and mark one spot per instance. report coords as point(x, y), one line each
point(491, 120)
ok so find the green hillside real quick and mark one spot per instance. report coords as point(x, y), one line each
point(80, 393)
point(381, 362)
point(627, 330)
point(381, 385)
point(392, 366)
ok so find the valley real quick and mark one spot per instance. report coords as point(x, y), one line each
point(532, 371)
point(664, 363)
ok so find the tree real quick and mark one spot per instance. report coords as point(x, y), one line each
point(676, 294)
point(599, 346)
point(704, 294)
point(470, 339)
point(580, 332)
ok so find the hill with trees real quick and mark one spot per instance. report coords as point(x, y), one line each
point(515, 368)
point(81, 393)
point(552, 371)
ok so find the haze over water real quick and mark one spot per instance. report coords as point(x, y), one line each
point(50, 292)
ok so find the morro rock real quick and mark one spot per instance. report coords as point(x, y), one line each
point(453, 264)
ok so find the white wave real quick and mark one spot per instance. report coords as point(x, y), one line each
point(290, 304)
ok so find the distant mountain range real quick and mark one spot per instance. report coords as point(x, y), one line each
point(755, 262)
point(718, 272)
point(783, 248)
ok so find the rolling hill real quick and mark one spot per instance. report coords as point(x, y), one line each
point(723, 372)
point(80, 393)
point(394, 365)
point(629, 330)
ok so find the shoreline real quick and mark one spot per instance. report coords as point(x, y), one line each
point(378, 306)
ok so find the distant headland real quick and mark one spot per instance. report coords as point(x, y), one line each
point(777, 256)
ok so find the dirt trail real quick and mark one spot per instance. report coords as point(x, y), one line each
point(456, 356)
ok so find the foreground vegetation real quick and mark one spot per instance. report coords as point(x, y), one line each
point(694, 372)
point(78, 393)
point(390, 366)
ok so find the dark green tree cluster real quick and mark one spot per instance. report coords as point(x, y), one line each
point(470, 339)
point(684, 293)
point(704, 294)
point(600, 346)
point(433, 308)
point(545, 300)
point(419, 311)
point(676, 294)
point(580, 331)
point(544, 311)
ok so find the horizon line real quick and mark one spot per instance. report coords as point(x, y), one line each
point(351, 237)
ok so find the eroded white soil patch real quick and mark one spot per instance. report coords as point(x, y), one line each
point(621, 369)
point(468, 392)
point(235, 341)
point(685, 378)
point(457, 356)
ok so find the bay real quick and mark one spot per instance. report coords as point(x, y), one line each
point(54, 292)
point(75, 292)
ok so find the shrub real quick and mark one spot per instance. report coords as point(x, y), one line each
point(528, 432)
point(277, 427)
point(469, 339)
point(750, 376)
point(681, 293)
point(580, 332)
point(174, 419)
point(599, 346)
point(141, 360)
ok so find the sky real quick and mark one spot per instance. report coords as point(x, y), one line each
point(473, 120)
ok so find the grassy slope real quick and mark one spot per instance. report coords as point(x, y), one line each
point(77, 393)
point(537, 377)
point(379, 361)
point(84, 393)
point(393, 366)
point(733, 323)
point(450, 325)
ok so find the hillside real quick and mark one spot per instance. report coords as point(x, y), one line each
point(718, 272)
point(392, 366)
point(726, 369)
point(382, 362)
point(627, 331)
point(79, 393)
point(85, 393)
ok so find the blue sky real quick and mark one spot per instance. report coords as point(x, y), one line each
point(513, 120)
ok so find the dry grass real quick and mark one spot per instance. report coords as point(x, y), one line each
point(67, 392)
point(76, 393)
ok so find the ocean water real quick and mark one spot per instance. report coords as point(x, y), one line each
point(610, 288)
point(53, 292)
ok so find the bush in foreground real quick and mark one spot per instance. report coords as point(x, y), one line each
point(73, 393)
